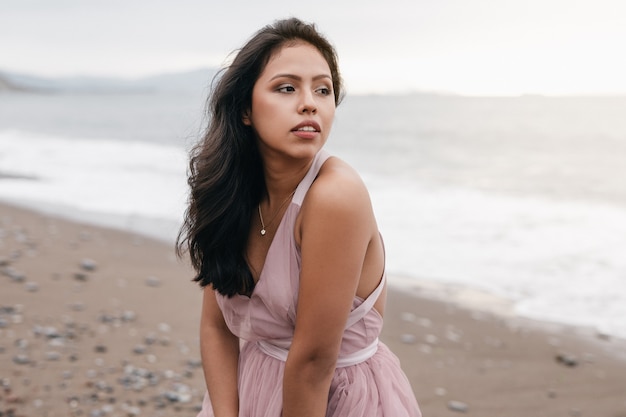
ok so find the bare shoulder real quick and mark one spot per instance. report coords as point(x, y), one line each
point(338, 186)
point(338, 198)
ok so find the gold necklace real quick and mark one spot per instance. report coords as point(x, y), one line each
point(263, 231)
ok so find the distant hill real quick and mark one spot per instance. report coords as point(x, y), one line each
point(190, 81)
point(6, 85)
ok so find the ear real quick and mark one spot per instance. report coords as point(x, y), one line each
point(246, 118)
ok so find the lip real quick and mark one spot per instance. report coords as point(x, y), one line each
point(310, 123)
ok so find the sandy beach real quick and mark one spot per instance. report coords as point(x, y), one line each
point(98, 322)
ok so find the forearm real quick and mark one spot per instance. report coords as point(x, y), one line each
point(220, 356)
point(305, 387)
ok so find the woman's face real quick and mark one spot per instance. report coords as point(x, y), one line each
point(293, 103)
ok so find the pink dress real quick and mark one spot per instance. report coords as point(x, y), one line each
point(368, 380)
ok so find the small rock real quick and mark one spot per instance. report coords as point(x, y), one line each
point(52, 356)
point(14, 275)
point(100, 349)
point(31, 286)
point(406, 316)
point(194, 363)
point(139, 349)
point(153, 282)
point(424, 322)
point(80, 276)
point(96, 413)
point(408, 338)
point(566, 359)
point(3, 323)
point(77, 306)
point(458, 406)
point(21, 343)
point(4, 262)
point(129, 315)
point(21, 359)
point(88, 264)
point(150, 339)
point(130, 410)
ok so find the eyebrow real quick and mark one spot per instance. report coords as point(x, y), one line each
point(298, 78)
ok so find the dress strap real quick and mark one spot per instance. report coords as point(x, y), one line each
point(367, 304)
point(362, 310)
point(310, 176)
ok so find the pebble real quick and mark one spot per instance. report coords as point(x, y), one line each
point(52, 356)
point(458, 406)
point(50, 332)
point(81, 276)
point(140, 349)
point(88, 264)
point(410, 317)
point(179, 393)
point(425, 322)
point(14, 274)
point(150, 339)
point(408, 338)
point(100, 349)
point(77, 306)
point(31, 286)
point(129, 315)
point(130, 410)
point(153, 282)
point(21, 359)
point(194, 363)
point(22, 343)
point(567, 360)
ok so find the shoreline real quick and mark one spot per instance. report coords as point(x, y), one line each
point(94, 318)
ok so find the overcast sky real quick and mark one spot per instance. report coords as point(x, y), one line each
point(466, 46)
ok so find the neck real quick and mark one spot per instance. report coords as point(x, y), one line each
point(281, 181)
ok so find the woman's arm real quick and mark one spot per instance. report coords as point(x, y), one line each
point(219, 349)
point(337, 225)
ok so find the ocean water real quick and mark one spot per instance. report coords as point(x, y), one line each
point(523, 198)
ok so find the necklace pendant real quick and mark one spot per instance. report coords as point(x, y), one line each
point(262, 232)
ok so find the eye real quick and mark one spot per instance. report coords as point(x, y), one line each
point(325, 91)
point(286, 88)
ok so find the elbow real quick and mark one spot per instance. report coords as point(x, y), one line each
point(313, 367)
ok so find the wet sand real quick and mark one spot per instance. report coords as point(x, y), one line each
point(97, 322)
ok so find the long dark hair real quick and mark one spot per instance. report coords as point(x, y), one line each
point(226, 170)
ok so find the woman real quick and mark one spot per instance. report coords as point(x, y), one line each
point(285, 245)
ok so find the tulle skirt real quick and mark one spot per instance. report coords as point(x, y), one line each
point(375, 388)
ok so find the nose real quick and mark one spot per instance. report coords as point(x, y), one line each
point(307, 103)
